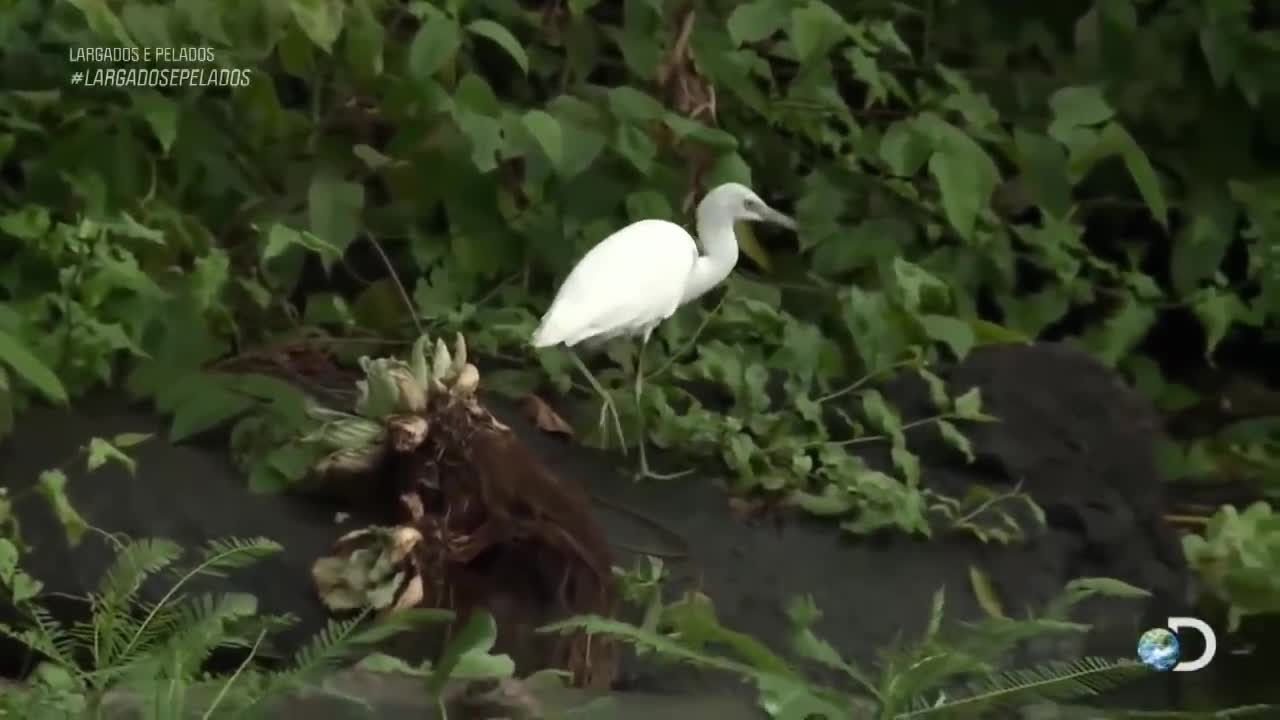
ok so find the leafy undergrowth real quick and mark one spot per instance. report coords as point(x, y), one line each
point(946, 673)
point(962, 174)
point(157, 658)
point(936, 676)
point(1237, 556)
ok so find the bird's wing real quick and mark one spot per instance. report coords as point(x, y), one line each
point(631, 279)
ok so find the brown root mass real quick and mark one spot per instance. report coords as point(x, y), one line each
point(499, 530)
point(492, 515)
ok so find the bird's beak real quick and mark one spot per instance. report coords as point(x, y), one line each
point(773, 216)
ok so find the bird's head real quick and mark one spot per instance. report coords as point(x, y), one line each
point(739, 202)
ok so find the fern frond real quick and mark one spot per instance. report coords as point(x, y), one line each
point(786, 695)
point(219, 556)
point(202, 625)
point(52, 646)
point(46, 636)
point(225, 554)
point(649, 640)
point(135, 562)
point(1058, 681)
point(341, 639)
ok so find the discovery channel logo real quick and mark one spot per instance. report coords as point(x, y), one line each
point(1158, 648)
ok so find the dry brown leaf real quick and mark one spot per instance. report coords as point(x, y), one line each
point(543, 417)
point(744, 510)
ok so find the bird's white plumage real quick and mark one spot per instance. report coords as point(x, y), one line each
point(638, 277)
point(625, 285)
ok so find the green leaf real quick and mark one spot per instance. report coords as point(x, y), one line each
point(683, 128)
point(22, 587)
point(29, 222)
point(916, 285)
point(503, 37)
point(1044, 170)
point(1107, 587)
point(1199, 250)
point(206, 408)
point(281, 237)
point(870, 319)
point(961, 190)
point(319, 20)
point(161, 114)
point(1116, 337)
point(1216, 312)
point(546, 131)
point(29, 368)
point(634, 106)
point(101, 451)
point(952, 436)
point(128, 440)
point(754, 21)
point(815, 29)
point(965, 173)
point(103, 22)
point(969, 405)
point(434, 46)
point(469, 651)
point(903, 149)
point(365, 40)
point(1115, 140)
point(1142, 172)
point(334, 207)
point(1075, 106)
point(1221, 53)
point(636, 146)
point(880, 414)
point(52, 485)
point(988, 600)
point(956, 333)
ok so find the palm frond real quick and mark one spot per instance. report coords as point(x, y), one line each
point(1057, 681)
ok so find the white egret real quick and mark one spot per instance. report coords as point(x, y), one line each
point(638, 276)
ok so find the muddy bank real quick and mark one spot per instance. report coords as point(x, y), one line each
point(1079, 442)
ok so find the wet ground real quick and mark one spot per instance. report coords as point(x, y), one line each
point(1078, 441)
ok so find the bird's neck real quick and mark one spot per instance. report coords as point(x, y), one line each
point(720, 245)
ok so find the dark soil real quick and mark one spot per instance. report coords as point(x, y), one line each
point(1080, 443)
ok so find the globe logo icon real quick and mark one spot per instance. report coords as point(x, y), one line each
point(1158, 649)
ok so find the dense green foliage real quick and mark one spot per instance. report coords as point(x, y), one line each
point(963, 173)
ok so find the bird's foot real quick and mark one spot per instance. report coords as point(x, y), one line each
point(607, 410)
point(647, 473)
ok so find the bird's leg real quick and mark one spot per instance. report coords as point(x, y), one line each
point(645, 472)
point(607, 406)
